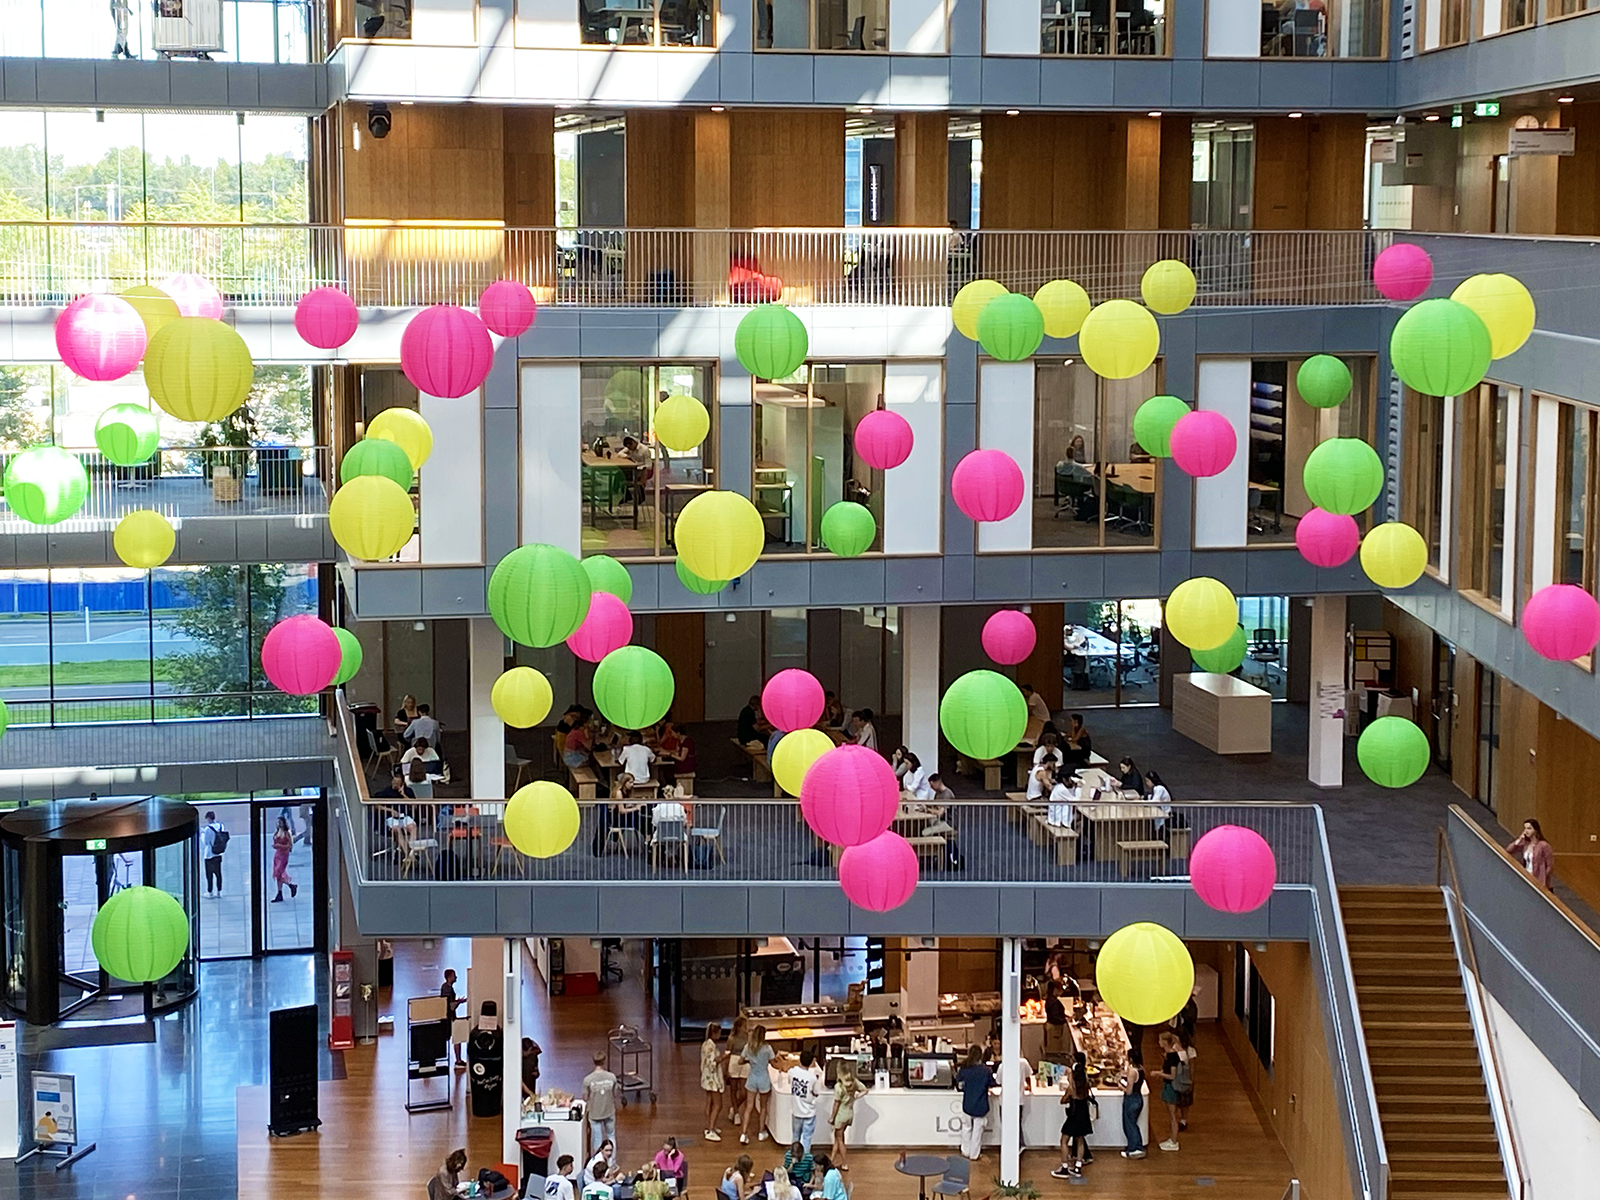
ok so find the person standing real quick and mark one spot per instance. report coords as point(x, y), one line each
point(530, 1067)
point(1170, 1063)
point(1077, 1126)
point(738, 1070)
point(805, 1085)
point(974, 1079)
point(600, 1101)
point(1535, 854)
point(282, 843)
point(213, 842)
point(759, 1083)
point(712, 1082)
point(845, 1090)
point(1183, 1076)
point(121, 12)
point(1133, 1088)
point(452, 1002)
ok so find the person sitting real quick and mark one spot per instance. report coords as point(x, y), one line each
point(423, 727)
point(627, 813)
point(417, 781)
point(421, 751)
point(599, 1168)
point(650, 1185)
point(1079, 745)
point(781, 1188)
point(1038, 710)
point(832, 711)
point(910, 772)
point(408, 713)
point(396, 789)
point(1132, 780)
point(798, 1163)
point(937, 789)
point(579, 741)
point(1041, 778)
point(1160, 795)
point(446, 1183)
point(669, 1160)
point(635, 758)
point(866, 733)
point(670, 742)
point(750, 722)
point(1059, 800)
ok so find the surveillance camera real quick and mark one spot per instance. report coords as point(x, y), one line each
point(378, 120)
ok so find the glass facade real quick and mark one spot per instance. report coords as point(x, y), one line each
point(255, 31)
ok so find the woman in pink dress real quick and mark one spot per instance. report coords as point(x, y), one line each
point(282, 843)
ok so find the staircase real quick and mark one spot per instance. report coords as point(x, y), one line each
point(1433, 1102)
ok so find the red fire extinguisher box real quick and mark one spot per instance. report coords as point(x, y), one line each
point(341, 1026)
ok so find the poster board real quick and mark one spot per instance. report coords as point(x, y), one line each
point(8, 1089)
point(55, 1109)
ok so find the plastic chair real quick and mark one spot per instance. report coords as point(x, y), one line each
point(668, 836)
point(957, 1179)
point(522, 765)
point(710, 828)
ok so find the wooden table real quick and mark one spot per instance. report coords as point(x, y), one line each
point(625, 467)
point(1119, 822)
point(1224, 714)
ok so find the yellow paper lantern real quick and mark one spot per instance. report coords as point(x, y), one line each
point(1119, 339)
point(1168, 286)
point(542, 819)
point(1503, 305)
point(795, 752)
point(1064, 305)
point(407, 429)
point(719, 535)
point(968, 304)
point(521, 697)
point(155, 307)
point(682, 423)
point(371, 517)
point(1144, 972)
point(144, 539)
point(1201, 613)
point(1393, 555)
point(198, 369)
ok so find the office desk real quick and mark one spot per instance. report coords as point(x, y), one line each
point(626, 472)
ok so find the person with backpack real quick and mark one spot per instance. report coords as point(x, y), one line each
point(213, 842)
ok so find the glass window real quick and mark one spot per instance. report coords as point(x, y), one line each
point(227, 30)
point(1110, 653)
point(1501, 15)
point(1085, 27)
point(1422, 487)
point(383, 19)
point(822, 24)
point(1336, 29)
point(1577, 480)
point(97, 168)
point(1482, 510)
point(648, 23)
point(1222, 187)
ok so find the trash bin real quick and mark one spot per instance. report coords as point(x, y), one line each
point(485, 1061)
point(536, 1142)
point(278, 468)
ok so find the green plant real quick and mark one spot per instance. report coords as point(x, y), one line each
point(236, 431)
point(1015, 1191)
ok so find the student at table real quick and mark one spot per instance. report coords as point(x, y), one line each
point(1041, 779)
point(635, 758)
point(628, 813)
point(578, 745)
point(908, 769)
point(1132, 780)
point(832, 711)
point(1079, 744)
point(1060, 799)
point(937, 790)
point(669, 1160)
point(407, 714)
point(447, 1182)
point(1038, 710)
point(1048, 750)
point(422, 751)
point(866, 734)
point(424, 726)
point(750, 722)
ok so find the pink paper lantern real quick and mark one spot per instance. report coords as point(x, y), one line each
point(884, 439)
point(194, 295)
point(1561, 622)
point(1403, 271)
point(326, 318)
point(1232, 869)
point(446, 351)
point(879, 875)
point(607, 627)
point(793, 699)
point(850, 796)
point(507, 307)
point(1009, 636)
point(1203, 443)
point(1327, 539)
point(300, 655)
point(988, 485)
point(100, 337)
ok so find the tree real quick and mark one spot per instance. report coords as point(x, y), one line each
point(24, 407)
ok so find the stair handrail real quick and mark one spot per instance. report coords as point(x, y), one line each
point(1500, 1106)
point(1292, 1192)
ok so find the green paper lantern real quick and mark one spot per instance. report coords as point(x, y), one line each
point(1323, 381)
point(1440, 348)
point(983, 714)
point(633, 687)
point(349, 656)
point(606, 574)
point(1393, 752)
point(377, 456)
point(538, 595)
point(5, 719)
point(770, 342)
point(1224, 659)
point(45, 485)
point(1153, 422)
point(140, 934)
point(848, 528)
point(1343, 475)
point(700, 587)
point(1010, 327)
point(127, 434)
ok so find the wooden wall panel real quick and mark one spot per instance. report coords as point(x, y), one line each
point(1464, 731)
point(1578, 177)
point(1177, 170)
point(1281, 169)
point(969, 965)
point(530, 167)
point(1309, 172)
point(680, 638)
point(1141, 174)
point(439, 163)
point(1042, 668)
point(1413, 657)
point(660, 151)
point(1084, 171)
point(791, 168)
point(922, 169)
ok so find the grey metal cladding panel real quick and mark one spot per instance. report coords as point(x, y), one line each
point(1011, 81)
point(388, 592)
point(299, 86)
point(1176, 566)
point(736, 75)
point(1290, 331)
point(913, 580)
point(816, 910)
point(846, 582)
point(1072, 910)
point(8, 551)
point(1017, 911)
point(966, 80)
point(1202, 921)
point(387, 910)
point(244, 85)
point(778, 78)
point(913, 917)
point(85, 549)
point(1228, 566)
point(133, 84)
point(778, 584)
point(1133, 574)
point(645, 577)
point(959, 572)
point(716, 910)
point(513, 910)
point(672, 596)
point(290, 542)
point(21, 80)
point(1142, 84)
point(1187, 82)
point(766, 905)
point(1278, 572)
point(454, 591)
point(64, 80)
point(647, 909)
point(566, 909)
point(210, 777)
point(1068, 576)
point(1224, 333)
point(630, 332)
point(1076, 82)
point(1289, 914)
point(969, 909)
point(461, 910)
point(1348, 578)
point(1588, 1083)
point(849, 79)
point(1293, 85)
point(554, 335)
point(1363, 85)
point(1003, 577)
point(207, 542)
point(304, 773)
point(250, 539)
point(1164, 904)
point(1227, 85)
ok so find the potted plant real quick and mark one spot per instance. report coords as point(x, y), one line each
point(226, 444)
point(1014, 1191)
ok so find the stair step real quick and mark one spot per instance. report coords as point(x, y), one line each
point(1404, 1086)
point(1403, 1160)
point(1434, 1105)
point(1405, 1138)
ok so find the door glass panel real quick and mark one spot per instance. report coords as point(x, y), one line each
point(225, 914)
point(287, 896)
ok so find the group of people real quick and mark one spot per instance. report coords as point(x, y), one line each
point(639, 753)
point(801, 1176)
point(855, 727)
point(214, 839)
point(421, 765)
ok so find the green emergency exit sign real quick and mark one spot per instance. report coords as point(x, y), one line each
point(1486, 108)
point(95, 844)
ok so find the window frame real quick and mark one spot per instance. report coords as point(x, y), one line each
point(655, 42)
point(1474, 534)
point(1164, 24)
point(1422, 505)
point(811, 46)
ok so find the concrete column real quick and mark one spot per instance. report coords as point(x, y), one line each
point(919, 681)
point(486, 652)
point(1326, 757)
point(511, 1022)
point(1010, 1060)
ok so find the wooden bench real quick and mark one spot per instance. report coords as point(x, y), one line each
point(929, 846)
point(1063, 837)
point(990, 767)
point(1129, 853)
point(760, 769)
point(584, 782)
point(1178, 840)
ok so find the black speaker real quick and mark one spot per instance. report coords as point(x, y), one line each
point(292, 1066)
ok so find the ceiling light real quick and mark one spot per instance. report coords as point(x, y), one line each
point(718, 108)
point(864, 109)
point(1564, 99)
point(1152, 114)
point(1012, 112)
point(1431, 117)
point(1294, 116)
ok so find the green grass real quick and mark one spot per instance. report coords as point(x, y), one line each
point(111, 671)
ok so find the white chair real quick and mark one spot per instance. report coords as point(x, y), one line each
point(522, 765)
point(708, 826)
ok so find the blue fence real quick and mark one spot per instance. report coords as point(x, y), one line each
point(37, 597)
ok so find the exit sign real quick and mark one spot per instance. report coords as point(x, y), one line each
point(1486, 108)
point(95, 844)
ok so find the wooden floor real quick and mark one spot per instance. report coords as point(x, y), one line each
point(370, 1146)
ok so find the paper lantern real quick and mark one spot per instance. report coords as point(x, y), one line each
point(983, 715)
point(1440, 348)
point(883, 439)
point(794, 754)
point(155, 307)
point(879, 875)
point(45, 485)
point(1503, 305)
point(1168, 286)
point(198, 369)
point(1153, 422)
point(139, 934)
point(372, 517)
point(127, 434)
point(1402, 272)
point(1203, 443)
point(1561, 622)
point(350, 656)
point(1119, 339)
point(301, 655)
point(1144, 972)
point(541, 819)
point(1201, 613)
point(1009, 636)
point(1064, 305)
point(539, 594)
point(326, 318)
point(1393, 752)
point(770, 342)
point(144, 539)
point(377, 456)
point(693, 582)
point(507, 307)
point(792, 699)
point(1224, 659)
point(100, 337)
point(719, 535)
point(848, 528)
point(521, 697)
point(987, 485)
point(681, 423)
point(1327, 539)
point(633, 687)
point(406, 428)
point(446, 351)
point(1393, 555)
point(607, 626)
point(1232, 869)
point(849, 796)
point(194, 295)
point(5, 718)
point(606, 574)
point(970, 302)
point(1343, 475)
point(1010, 327)
point(1323, 381)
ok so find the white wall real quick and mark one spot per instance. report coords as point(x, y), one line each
point(447, 22)
point(1430, 23)
point(451, 481)
point(1233, 29)
point(1011, 27)
point(552, 484)
point(486, 650)
point(1005, 422)
point(547, 23)
point(913, 492)
point(1220, 501)
point(919, 673)
point(917, 26)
